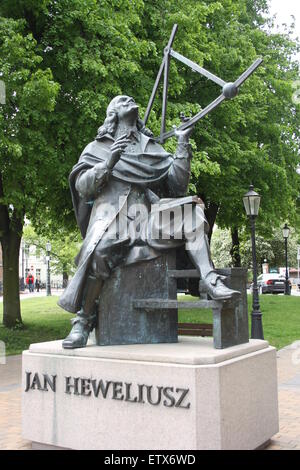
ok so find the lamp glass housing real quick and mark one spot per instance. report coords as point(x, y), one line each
point(48, 246)
point(251, 202)
point(286, 231)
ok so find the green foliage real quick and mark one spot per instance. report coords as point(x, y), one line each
point(30, 99)
point(220, 246)
point(269, 247)
point(97, 49)
point(64, 247)
point(254, 138)
point(63, 61)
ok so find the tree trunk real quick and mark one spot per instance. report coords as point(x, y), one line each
point(11, 228)
point(235, 248)
point(211, 214)
point(11, 298)
point(65, 279)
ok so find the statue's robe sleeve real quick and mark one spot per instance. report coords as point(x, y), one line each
point(180, 171)
point(86, 182)
point(90, 182)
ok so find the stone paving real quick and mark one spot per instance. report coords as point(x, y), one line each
point(10, 406)
point(42, 293)
point(288, 361)
point(288, 437)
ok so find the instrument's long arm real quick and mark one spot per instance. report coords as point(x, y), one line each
point(196, 118)
point(165, 94)
point(197, 68)
point(154, 90)
point(229, 90)
point(161, 69)
point(248, 72)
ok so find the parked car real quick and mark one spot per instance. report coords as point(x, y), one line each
point(271, 283)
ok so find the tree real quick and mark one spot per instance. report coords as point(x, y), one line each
point(92, 52)
point(220, 248)
point(271, 248)
point(254, 138)
point(24, 156)
point(88, 51)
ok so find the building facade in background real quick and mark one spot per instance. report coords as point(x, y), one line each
point(32, 260)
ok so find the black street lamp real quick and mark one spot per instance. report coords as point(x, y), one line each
point(22, 287)
point(286, 232)
point(48, 249)
point(26, 252)
point(251, 202)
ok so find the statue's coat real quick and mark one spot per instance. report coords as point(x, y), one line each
point(93, 218)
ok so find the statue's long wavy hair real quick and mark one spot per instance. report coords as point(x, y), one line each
point(111, 122)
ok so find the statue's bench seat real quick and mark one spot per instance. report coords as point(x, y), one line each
point(138, 304)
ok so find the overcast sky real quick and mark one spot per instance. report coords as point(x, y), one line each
point(284, 9)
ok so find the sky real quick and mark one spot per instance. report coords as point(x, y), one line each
point(284, 9)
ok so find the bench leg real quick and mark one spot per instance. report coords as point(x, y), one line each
point(226, 325)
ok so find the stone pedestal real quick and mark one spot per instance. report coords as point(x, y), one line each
point(119, 322)
point(185, 395)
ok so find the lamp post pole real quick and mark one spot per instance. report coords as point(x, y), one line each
point(23, 277)
point(256, 315)
point(48, 249)
point(286, 232)
point(251, 202)
point(286, 287)
point(26, 251)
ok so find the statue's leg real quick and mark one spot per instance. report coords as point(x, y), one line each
point(190, 227)
point(85, 320)
point(197, 246)
point(108, 254)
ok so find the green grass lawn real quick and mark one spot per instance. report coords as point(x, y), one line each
point(45, 321)
point(281, 317)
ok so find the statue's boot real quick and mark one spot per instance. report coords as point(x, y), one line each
point(211, 282)
point(85, 320)
point(216, 289)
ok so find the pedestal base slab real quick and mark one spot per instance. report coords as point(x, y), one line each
point(186, 395)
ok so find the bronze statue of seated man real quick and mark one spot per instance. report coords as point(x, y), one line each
point(129, 200)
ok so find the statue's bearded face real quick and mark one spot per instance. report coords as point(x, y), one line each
point(126, 107)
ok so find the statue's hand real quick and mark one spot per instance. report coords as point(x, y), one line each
point(117, 149)
point(183, 135)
